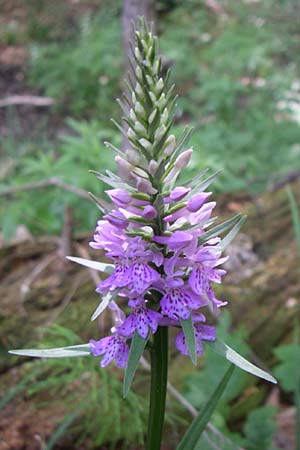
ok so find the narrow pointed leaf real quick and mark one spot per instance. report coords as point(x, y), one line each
point(232, 233)
point(205, 183)
point(219, 229)
point(193, 434)
point(96, 265)
point(137, 347)
point(235, 358)
point(104, 303)
point(189, 334)
point(61, 352)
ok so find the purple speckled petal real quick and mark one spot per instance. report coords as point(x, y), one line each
point(141, 276)
point(206, 332)
point(122, 356)
point(198, 281)
point(174, 304)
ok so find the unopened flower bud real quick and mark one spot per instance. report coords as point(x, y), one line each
point(133, 98)
point(152, 167)
point(138, 89)
point(182, 161)
point(132, 157)
point(145, 186)
point(155, 67)
point(139, 109)
point(170, 145)
point(152, 116)
point(132, 115)
point(150, 80)
point(131, 134)
point(153, 97)
point(177, 194)
point(139, 128)
point(137, 53)
point(145, 143)
point(124, 167)
point(159, 133)
point(197, 200)
point(120, 197)
point(138, 72)
point(164, 116)
point(161, 102)
point(159, 86)
point(149, 212)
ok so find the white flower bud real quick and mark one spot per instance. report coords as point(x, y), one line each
point(132, 157)
point(139, 109)
point(153, 97)
point(150, 80)
point(139, 128)
point(133, 98)
point(182, 161)
point(137, 53)
point(131, 134)
point(161, 102)
point(132, 115)
point(145, 143)
point(155, 67)
point(152, 167)
point(152, 116)
point(160, 132)
point(139, 90)
point(138, 72)
point(159, 86)
point(164, 117)
point(170, 145)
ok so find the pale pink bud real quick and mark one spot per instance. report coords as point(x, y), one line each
point(152, 167)
point(124, 167)
point(170, 145)
point(183, 159)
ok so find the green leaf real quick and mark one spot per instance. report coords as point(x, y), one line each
point(96, 265)
point(61, 352)
point(287, 371)
point(137, 347)
point(193, 434)
point(218, 229)
point(104, 303)
point(232, 233)
point(231, 355)
point(189, 334)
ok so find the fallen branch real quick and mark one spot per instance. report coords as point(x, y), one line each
point(42, 184)
point(33, 100)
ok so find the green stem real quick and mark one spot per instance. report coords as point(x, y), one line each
point(159, 376)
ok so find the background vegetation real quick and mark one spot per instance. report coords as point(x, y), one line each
point(236, 67)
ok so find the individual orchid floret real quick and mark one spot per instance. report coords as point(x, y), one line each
point(141, 319)
point(113, 348)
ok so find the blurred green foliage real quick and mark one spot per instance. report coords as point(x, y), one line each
point(236, 71)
